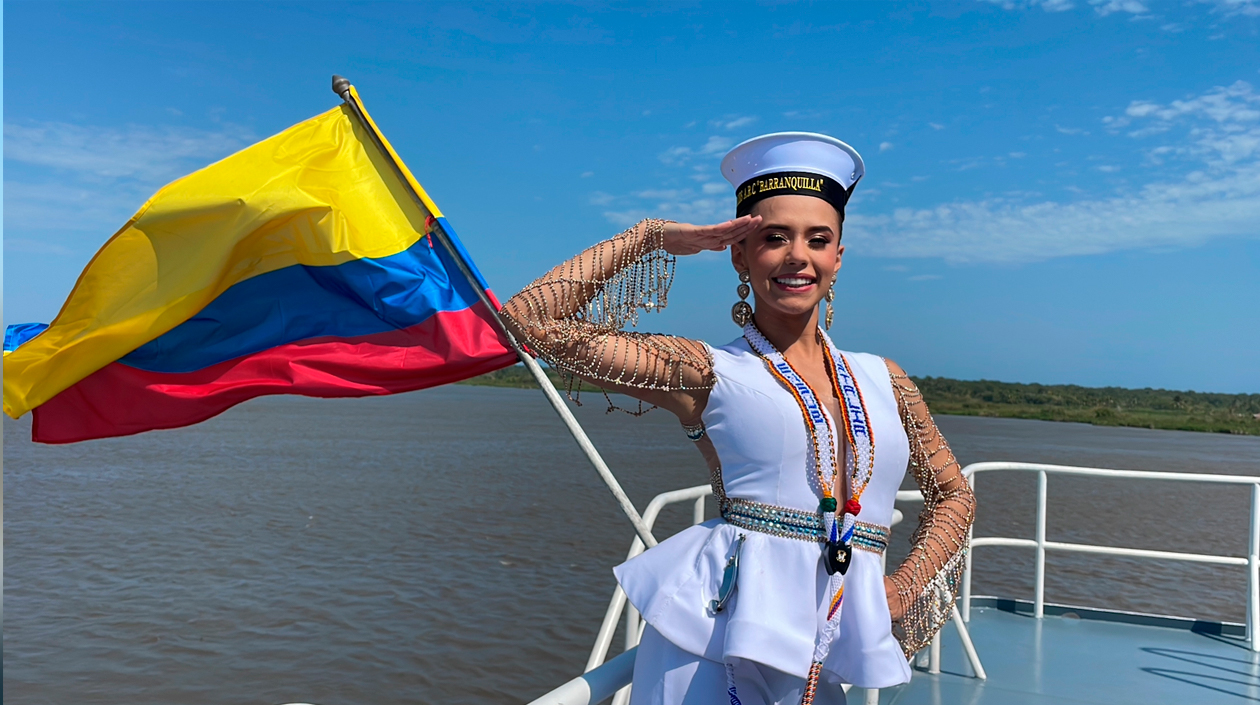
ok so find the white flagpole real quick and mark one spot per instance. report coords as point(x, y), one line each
point(341, 86)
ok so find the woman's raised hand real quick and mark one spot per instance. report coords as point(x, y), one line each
point(687, 239)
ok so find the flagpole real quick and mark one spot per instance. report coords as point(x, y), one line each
point(341, 86)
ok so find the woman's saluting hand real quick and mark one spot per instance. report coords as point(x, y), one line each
point(687, 239)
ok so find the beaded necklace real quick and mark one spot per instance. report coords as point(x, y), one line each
point(860, 462)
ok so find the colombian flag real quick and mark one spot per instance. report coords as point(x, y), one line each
point(300, 265)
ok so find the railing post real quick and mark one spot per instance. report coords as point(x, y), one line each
point(934, 655)
point(1039, 594)
point(966, 585)
point(632, 626)
point(1253, 572)
point(969, 646)
point(603, 640)
point(697, 512)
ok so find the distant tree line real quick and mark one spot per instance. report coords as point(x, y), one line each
point(1102, 406)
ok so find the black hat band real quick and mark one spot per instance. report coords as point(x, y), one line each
point(791, 183)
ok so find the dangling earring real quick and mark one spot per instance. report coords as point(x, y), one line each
point(741, 312)
point(831, 296)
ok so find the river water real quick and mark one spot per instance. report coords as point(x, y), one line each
point(453, 546)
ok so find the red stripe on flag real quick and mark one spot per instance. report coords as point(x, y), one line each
point(119, 400)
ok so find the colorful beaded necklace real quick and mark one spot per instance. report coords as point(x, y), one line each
point(838, 550)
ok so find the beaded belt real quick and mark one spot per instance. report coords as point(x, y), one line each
point(797, 524)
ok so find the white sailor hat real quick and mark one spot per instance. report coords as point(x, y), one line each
point(797, 163)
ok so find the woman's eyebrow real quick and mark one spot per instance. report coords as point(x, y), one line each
point(812, 230)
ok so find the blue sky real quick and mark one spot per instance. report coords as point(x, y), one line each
point(1062, 191)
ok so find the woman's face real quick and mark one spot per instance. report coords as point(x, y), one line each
point(794, 256)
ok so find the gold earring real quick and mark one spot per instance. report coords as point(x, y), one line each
point(741, 312)
point(831, 296)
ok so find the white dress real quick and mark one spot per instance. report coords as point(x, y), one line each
point(767, 631)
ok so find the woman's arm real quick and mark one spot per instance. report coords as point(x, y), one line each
point(925, 585)
point(572, 316)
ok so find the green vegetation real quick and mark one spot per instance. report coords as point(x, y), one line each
point(1105, 406)
point(517, 377)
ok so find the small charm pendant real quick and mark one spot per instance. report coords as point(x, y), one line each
point(836, 557)
point(730, 575)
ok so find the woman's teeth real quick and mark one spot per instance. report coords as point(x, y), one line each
point(793, 281)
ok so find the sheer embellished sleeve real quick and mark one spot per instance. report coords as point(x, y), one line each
point(927, 581)
point(572, 317)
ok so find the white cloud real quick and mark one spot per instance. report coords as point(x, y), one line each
point(79, 178)
point(713, 202)
point(1229, 8)
point(936, 126)
point(707, 201)
point(676, 155)
point(665, 194)
point(885, 146)
point(1017, 155)
point(734, 122)
point(1234, 103)
point(1070, 130)
point(136, 151)
point(1047, 5)
point(35, 247)
point(50, 206)
point(716, 144)
point(684, 205)
point(967, 164)
point(587, 174)
point(999, 230)
point(1106, 7)
point(1215, 193)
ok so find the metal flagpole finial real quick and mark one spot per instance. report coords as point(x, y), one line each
point(341, 86)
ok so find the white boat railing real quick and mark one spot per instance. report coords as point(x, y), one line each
point(617, 604)
point(601, 679)
point(596, 671)
point(1041, 545)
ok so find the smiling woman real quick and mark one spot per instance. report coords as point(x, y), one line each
point(750, 608)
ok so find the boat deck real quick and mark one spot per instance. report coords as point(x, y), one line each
point(1083, 656)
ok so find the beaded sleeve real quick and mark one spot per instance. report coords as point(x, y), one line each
point(927, 581)
point(572, 317)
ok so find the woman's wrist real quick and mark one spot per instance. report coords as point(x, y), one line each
point(655, 233)
point(688, 239)
point(895, 607)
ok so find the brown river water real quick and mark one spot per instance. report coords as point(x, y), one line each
point(453, 546)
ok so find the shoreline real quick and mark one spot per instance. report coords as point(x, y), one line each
point(1159, 409)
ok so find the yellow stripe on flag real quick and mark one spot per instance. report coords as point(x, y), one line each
point(319, 193)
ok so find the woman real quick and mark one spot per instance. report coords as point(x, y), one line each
point(783, 598)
